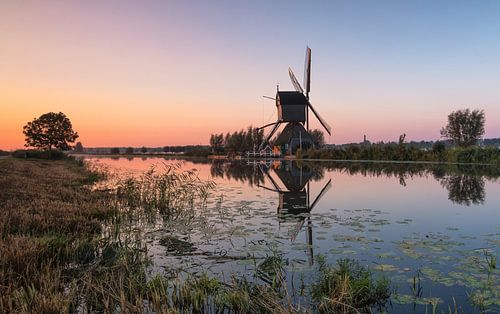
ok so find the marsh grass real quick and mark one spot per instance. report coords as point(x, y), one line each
point(348, 287)
point(168, 190)
point(48, 219)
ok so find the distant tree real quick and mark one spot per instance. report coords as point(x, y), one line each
point(144, 150)
point(318, 138)
point(258, 137)
point(401, 150)
point(50, 130)
point(465, 127)
point(401, 140)
point(115, 150)
point(166, 149)
point(217, 142)
point(129, 150)
point(79, 147)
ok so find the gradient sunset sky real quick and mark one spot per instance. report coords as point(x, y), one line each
point(155, 73)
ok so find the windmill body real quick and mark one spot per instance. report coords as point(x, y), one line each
point(293, 111)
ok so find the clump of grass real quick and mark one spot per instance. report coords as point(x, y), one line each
point(168, 190)
point(348, 287)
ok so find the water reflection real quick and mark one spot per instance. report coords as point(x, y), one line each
point(465, 189)
point(236, 171)
point(465, 183)
point(291, 181)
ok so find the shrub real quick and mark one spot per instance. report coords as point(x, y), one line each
point(39, 154)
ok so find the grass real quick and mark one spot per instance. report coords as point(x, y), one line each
point(348, 287)
point(48, 218)
point(58, 253)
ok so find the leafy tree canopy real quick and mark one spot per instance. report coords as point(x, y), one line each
point(50, 130)
point(465, 127)
point(318, 138)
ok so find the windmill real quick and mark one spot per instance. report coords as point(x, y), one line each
point(293, 109)
point(294, 197)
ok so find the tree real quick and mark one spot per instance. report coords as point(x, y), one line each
point(115, 150)
point(144, 150)
point(129, 150)
point(50, 130)
point(465, 127)
point(318, 138)
point(79, 147)
point(217, 142)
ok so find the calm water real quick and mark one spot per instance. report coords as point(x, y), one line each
point(439, 223)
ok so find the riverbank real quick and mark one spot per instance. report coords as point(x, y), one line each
point(49, 219)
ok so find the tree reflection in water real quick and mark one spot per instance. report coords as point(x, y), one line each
point(465, 183)
point(465, 189)
point(236, 171)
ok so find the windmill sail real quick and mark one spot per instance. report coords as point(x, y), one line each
point(268, 137)
point(307, 72)
point(323, 122)
point(321, 193)
point(295, 82)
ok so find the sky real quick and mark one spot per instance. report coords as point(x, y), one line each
point(156, 73)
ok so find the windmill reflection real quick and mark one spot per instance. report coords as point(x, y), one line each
point(294, 196)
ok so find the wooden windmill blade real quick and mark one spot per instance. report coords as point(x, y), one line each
point(327, 127)
point(321, 193)
point(295, 82)
point(268, 137)
point(307, 72)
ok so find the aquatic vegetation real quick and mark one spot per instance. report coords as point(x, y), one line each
point(177, 246)
point(168, 190)
point(348, 287)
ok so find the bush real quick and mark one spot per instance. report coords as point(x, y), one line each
point(198, 152)
point(39, 154)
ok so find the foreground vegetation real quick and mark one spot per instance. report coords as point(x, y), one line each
point(63, 250)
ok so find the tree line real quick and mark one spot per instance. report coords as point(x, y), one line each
point(238, 141)
point(463, 130)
